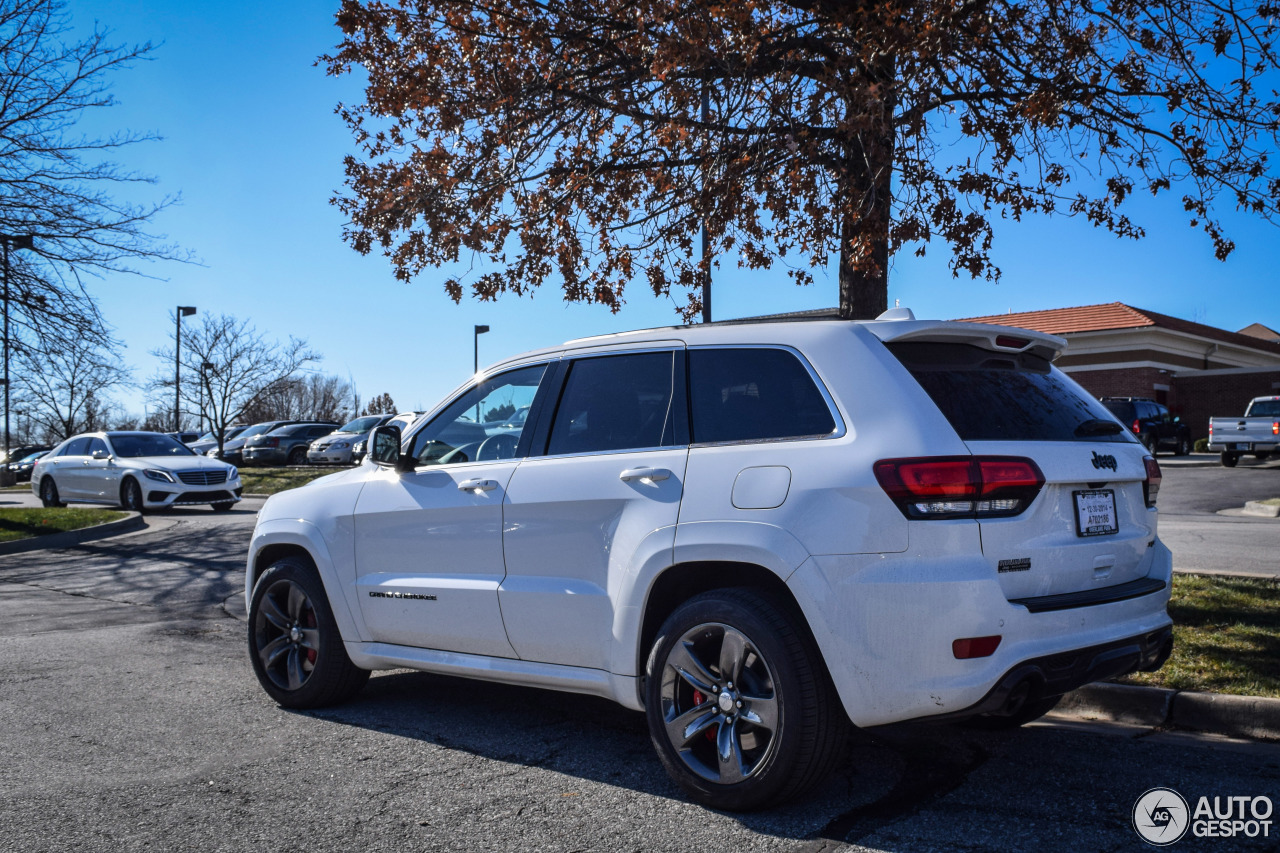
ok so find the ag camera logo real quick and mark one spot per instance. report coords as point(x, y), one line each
point(1161, 817)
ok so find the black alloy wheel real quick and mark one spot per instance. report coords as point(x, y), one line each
point(294, 644)
point(740, 706)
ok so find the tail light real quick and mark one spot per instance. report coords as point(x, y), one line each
point(1275, 427)
point(960, 486)
point(1151, 487)
point(269, 442)
point(1137, 426)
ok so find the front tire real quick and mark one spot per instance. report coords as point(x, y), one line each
point(1229, 460)
point(131, 496)
point(294, 643)
point(740, 708)
point(49, 493)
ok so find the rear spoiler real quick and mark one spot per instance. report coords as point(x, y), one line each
point(983, 335)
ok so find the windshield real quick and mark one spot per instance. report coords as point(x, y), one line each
point(258, 429)
point(131, 446)
point(362, 424)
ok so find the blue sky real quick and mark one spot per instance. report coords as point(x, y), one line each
point(253, 146)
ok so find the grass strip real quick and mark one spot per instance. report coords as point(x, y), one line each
point(19, 523)
point(268, 481)
point(1226, 637)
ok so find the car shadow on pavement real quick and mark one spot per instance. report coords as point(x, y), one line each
point(883, 778)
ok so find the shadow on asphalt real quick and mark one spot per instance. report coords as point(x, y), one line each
point(888, 774)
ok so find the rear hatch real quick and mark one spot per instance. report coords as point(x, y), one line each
point(1089, 527)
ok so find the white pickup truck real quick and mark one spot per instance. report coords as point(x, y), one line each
point(1258, 432)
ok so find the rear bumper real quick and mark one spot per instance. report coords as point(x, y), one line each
point(1245, 446)
point(1054, 675)
point(264, 456)
point(885, 624)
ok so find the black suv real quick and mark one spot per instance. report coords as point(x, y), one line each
point(1151, 423)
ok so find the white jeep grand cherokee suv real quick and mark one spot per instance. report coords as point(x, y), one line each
point(754, 532)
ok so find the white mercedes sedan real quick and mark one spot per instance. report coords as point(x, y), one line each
point(137, 470)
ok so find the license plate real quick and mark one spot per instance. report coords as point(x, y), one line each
point(1096, 512)
point(1239, 447)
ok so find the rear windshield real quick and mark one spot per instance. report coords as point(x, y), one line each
point(1264, 408)
point(990, 396)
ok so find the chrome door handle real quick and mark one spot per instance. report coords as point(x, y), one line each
point(477, 485)
point(653, 475)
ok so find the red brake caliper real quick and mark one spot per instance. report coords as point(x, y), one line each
point(698, 699)
point(311, 623)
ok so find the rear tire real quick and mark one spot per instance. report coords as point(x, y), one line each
point(49, 493)
point(298, 456)
point(1229, 460)
point(294, 644)
point(740, 707)
point(1151, 444)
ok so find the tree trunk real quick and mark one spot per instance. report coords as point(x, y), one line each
point(864, 228)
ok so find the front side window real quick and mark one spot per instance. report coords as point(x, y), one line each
point(617, 402)
point(76, 447)
point(473, 427)
point(754, 394)
point(96, 444)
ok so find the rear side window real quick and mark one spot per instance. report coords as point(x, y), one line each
point(754, 394)
point(989, 396)
point(1264, 408)
point(617, 402)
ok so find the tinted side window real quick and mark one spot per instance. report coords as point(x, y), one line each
point(77, 447)
point(320, 431)
point(96, 444)
point(616, 402)
point(989, 396)
point(754, 394)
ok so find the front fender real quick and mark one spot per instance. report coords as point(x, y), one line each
point(305, 535)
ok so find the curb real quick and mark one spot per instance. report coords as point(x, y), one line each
point(1261, 510)
point(1157, 707)
point(133, 522)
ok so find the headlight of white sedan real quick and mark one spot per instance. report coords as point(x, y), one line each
point(233, 474)
point(158, 474)
point(339, 445)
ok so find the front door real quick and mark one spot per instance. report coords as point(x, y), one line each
point(428, 542)
point(603, 491)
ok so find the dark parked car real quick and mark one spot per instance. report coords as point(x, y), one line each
point(233, 450)
point(22, 451)
point(1151, 423)
point(187, 438)
point(21, 468)
point(286, 445)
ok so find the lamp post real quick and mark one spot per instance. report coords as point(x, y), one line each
point(480, 330)
point(183, 311)
point(10, 241)
point(205, 367)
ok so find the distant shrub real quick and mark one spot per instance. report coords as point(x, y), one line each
point(1202, 445)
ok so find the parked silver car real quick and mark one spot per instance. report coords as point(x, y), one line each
point(137, 470)
point(335, 448)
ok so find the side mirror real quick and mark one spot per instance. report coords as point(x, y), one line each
point(101, 454)
point(384, 446)
point(1177, 419)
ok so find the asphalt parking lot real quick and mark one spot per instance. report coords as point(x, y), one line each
point(133, 721)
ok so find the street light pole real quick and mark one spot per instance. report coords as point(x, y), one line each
point(11, 241)
point(480, 330)
point(183, 311)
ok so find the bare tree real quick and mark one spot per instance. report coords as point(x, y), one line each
point(57, 184)
point(246, 367)
point(316, 396)
point(64, 387)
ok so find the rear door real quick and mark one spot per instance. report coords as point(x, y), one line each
point(68, 469)
point(1089, 527)
point(604, 493)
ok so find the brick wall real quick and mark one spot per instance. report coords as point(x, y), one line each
point(1221, 396)
point(1194, 398)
